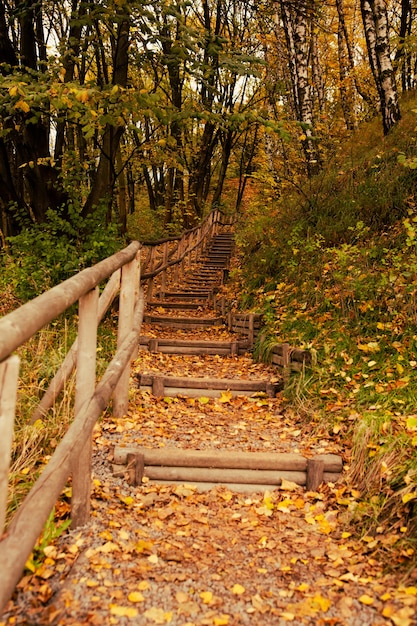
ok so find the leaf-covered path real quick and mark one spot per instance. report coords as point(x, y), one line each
point(170, 554)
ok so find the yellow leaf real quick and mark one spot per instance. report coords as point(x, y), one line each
point(204, 400)
point(238, 589)
point(143, 585)
point(109, 547)
point(135, 596)
point(182, 597)
point(22, 105)
point(409, 496)
point(289, 617)
point(128, 500)
point(225, 396)
point(323, 604)
point(221, 620)
point(288, 485)
point(303, 587)
point(365, 599)
point(403, 617)
point(123, 611)
point(206, 596)
point(153, 559)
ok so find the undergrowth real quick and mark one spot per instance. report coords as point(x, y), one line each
point(338, 275)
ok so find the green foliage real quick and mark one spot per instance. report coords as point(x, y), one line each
point(43, 255)
point(52, 531)
point(336, 273)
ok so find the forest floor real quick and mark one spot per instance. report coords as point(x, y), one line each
point(173, 554)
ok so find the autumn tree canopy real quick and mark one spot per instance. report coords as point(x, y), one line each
point(105, 104)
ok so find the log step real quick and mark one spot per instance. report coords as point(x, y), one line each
point(166, 304)
point(227, 466)
point(161, 385)
point(182, 346)
point(188, 295)
point(183, 322)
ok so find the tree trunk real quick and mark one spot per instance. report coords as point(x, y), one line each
point(105, 175)
point(375, 22)
point(296, 20)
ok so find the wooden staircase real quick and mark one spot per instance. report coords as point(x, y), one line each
point(188, 306)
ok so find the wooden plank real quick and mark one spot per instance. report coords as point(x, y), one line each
point(216, 475)
point(84, 390)
point(188, 322)
point(232, 459)
point(135, 468)
point(205, 383)
point(9, 378)
point(128, 294)
point(194, 350)
point(315, 474)
point(229, 459)
point(191, 343)
point(296, 354)
point(333, 463)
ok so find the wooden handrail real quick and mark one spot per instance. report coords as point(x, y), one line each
point(210, 223)
point(73, 454)
point(18, 326)
point(28, 522)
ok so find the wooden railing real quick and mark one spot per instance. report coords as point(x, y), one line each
point(168, 259)
point(72, 456)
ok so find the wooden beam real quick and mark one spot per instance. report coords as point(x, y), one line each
point(9, 378)
point(315, 474)
point(208, 383)
point(84, 390)
point(216, 475)
point(233, 459)
point(128, 294)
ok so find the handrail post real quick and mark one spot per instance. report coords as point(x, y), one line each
point(128, 295)
point(164, 273)
point(84, 390)
point(9, 378)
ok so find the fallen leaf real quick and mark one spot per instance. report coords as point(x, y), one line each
point(123, 611)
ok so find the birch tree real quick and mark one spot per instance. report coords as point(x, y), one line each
point(375, 22)
point(297, 21)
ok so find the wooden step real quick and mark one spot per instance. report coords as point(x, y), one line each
point(182, 346)
point(161, 385)
point(187, 295)
point(167, 304)
point(183, 322)
point(232, 467)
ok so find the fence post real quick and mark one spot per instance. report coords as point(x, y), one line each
point(164, 272)
point(128, 296)
point(84, 389)
point(9, 378)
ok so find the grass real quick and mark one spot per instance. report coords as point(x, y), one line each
point(337, 274)
point(41, 357)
